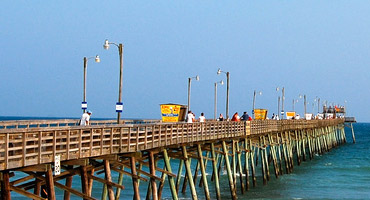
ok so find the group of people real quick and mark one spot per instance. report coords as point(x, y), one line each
point(190, 117)
point(244, 117)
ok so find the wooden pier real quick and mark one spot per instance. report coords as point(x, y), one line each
point(133, 150)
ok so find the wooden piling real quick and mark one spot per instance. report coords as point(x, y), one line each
point(135, 183)
point(228, 168)
point(203, 171)
point(353, 134)
point(84, 180)
point(50, 184)
point(246, 164)
point(215, 174)
point(189, 174)
point(179, 174)
point(5, 186)
point(254, 179)
point(170, 178)
point(240, 167)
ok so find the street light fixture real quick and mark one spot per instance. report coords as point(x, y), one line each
point(84, 102)
point(189, 88)
point(227, 90)
point(119, 104)
point(254, 100)
point(219, 82)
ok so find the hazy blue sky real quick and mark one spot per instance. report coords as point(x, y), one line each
point(317, 48)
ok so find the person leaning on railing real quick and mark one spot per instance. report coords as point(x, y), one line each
point(85, 118)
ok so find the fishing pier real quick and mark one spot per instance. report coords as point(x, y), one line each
point(38, 156)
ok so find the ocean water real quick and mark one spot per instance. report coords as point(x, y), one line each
point(342, 173)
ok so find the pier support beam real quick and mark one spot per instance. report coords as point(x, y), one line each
point(229, 173)
point(170, 178)
point(215, 173)
point(135, 183)
point(203, 170)
point(50, 184)
point(152, 172)
point(189, 174)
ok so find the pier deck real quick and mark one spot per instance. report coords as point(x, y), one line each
point(33, 147)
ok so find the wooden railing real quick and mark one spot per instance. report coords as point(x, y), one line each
point(30, 146)
point(65, 122)
point(267, 126)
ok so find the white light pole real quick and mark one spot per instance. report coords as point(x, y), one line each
point(221, 83)
point(189, 88)
point(119, 105)
point(227, 90)
point(254, 100)
point(84, 102)
point(294, 101)
point(304, 103)
point(282, 100)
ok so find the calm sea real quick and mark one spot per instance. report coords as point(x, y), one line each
point(342, 173)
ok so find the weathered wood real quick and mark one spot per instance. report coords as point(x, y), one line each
point(170, 178)
point(36, 168)
point(253, 169)
point(69, 180)
point(134, 179)
point(215, 174)
point(25, 193)
point(106, 181)
point(152, 179)
point(229, 173)
point(240, 167)
point(50, 184)
point(189, 174)
point(108, 177)
point(37, 188)
point(84, 180)
point(179, 175)
point(120, 181)
point(91, 183)
point(203, 170)
point(5, 186)
point(80, 162)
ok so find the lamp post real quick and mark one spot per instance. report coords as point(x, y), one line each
point(119, 105)
point(277, 114)
point(189, 88)
point(282, 100)
point(294, 101)
point(318, 105)
point(304, 103)
point(219, 82)
point(227, 90)
point(254, 100)
point(84, 103)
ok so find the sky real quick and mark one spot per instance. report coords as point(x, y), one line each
point(315, 48)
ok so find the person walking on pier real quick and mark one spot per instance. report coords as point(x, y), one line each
point(235, 117)
point(221, 117)
point(202, 118)
point(85, 118)
point(245, 117)
point(190, 117)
